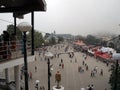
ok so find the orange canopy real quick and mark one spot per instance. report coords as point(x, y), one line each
point(80, 43)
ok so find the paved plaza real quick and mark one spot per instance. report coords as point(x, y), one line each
point(71, 78)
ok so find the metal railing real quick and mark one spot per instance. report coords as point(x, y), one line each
point(13, 49)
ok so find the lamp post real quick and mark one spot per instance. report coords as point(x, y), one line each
point(37, 84)
point(43, 45)
point(24, 27)
point(49, 55)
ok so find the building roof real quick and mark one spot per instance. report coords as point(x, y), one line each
point(51, 36)
point(80, 43)
point(21, 7)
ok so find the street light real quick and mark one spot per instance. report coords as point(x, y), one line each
point(116, 57)
point(48, 55)
point(37, 84)
point(43, 45)
point(24, 27)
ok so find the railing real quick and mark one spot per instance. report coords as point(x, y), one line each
point(13, 49)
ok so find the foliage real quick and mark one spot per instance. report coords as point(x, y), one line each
point(60, 39)
point(111, 45)
point(38, 38)
point(52, 41)
point(104, 43)
point(92, 40)
point(79, 37)
point(113, 76)
point(10, 30)
point(89, 39)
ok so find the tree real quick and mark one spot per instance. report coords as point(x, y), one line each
point(60, 39)
point(111, 45)
point(38, 38)
point(52, 41)
point(113, 76)
point(10, 30)
point(91, 40)
point(79, 37)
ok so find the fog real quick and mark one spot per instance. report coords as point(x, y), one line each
point(77, 17)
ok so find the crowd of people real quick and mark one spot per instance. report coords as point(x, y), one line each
point(82, 67)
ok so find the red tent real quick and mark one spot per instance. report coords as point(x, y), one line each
point(102, 55)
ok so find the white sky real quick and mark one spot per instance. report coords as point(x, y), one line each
point(78, 17)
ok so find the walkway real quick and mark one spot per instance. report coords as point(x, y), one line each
point(71, 78)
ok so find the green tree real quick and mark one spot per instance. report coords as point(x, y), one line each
point(60, 39)
point(79, 37)
point(113, 76)
point(90, 39)
point(10, 30)
point(38, 38)
point(111, 45)
point(52, 41)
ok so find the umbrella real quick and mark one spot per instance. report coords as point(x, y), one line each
point(48, 54)
point(116, 56)
point(37, 81)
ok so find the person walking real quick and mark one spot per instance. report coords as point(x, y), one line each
point(75, 60)
point(86, 67)
point(30, 75)
point(107, 64)
point(61, 60)
point(91, 73)
point(43, 88)
point(40, 88)
point(83, 62)
point(101, 72)
point(35, 68)
point(79, 68)
point(95, 69)
point(62, 65)
point(59, 65)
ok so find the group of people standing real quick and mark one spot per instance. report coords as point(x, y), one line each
point(95, 71)
point(61, 64)
point(81, 68)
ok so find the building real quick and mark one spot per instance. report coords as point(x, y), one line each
point(18, 8)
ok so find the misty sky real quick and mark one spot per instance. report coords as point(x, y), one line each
point(78, 17)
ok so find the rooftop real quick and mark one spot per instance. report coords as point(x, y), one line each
point(21, 7)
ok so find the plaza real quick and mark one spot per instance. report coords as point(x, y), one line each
point(93, 29)
point(71, 79)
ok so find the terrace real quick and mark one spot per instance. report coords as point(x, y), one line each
point(11, 53)
point(13, 50)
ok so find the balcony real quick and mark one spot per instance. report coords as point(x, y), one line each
point(11, 53)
